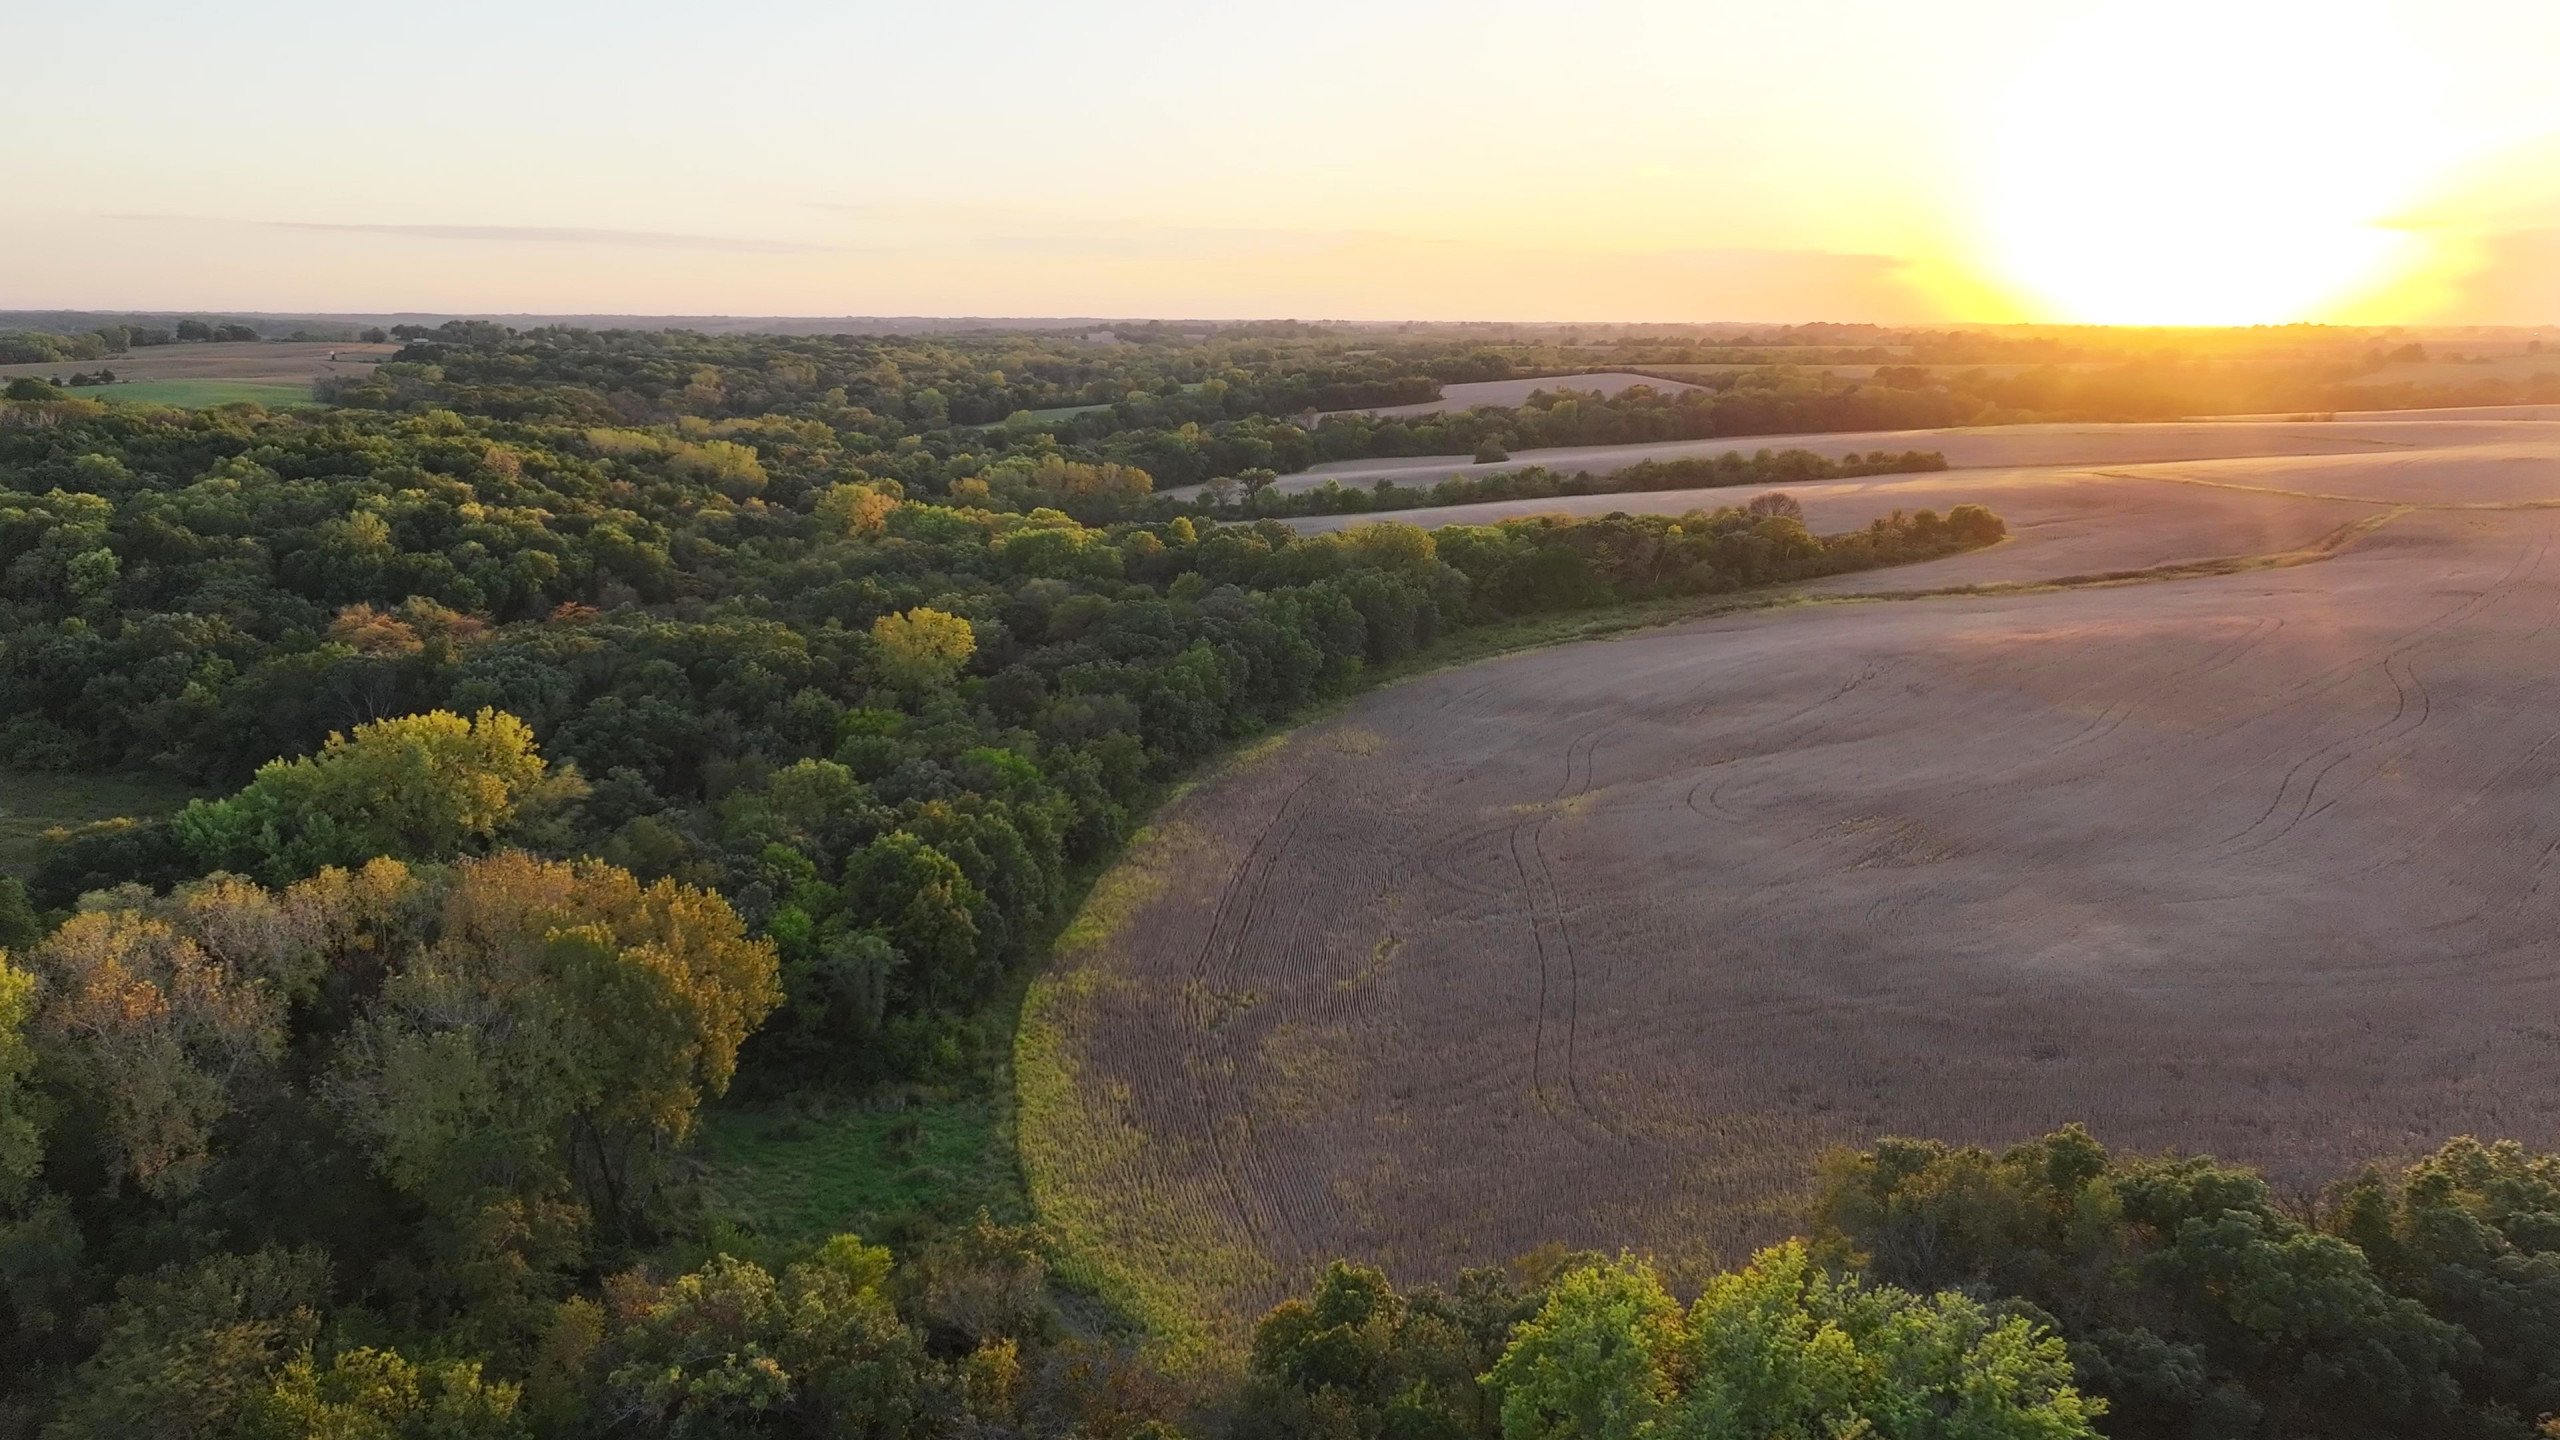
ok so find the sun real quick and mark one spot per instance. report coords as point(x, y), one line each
point(2210, 164)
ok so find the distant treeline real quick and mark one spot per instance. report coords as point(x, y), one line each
point(37, 347)
point(1192, 409)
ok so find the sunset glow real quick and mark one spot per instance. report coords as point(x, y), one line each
point(2253, 160)
point(2179, 164)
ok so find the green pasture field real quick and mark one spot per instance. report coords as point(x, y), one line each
point(198, 394)
point(32, 802)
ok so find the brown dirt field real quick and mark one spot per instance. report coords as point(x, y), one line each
point(1508, 394)
point(284, 362)
point(1604, 943)
point(1863, 371)
point(2071, 522)
point(2442, 412)
point(2515, 366)
point(2002, 446)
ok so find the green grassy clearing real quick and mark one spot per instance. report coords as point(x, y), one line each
point(794, 1173)
point(32, 802)
point(198, 394)
point(1057, 413)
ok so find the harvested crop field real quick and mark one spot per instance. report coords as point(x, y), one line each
point(2003, 446)
point(270, 372)
point(1509, 394)
point(1605, 943)
point(2076, 522)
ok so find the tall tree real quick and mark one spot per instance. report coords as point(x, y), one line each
point(922, 648)
point(418, 787)
point(556, 1036)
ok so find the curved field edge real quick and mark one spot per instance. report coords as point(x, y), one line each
point(1087, 1168)
point(1152, 1249)
point(1129, 1228)
point(1150, 1246)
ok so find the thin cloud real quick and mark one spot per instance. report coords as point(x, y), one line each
point(525, 235)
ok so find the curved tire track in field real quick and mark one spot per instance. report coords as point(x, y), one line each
point(1207, 1055)
point(1852, 872)
point(2403, 679)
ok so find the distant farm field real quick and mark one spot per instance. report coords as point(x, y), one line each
point(2000, 446)
point(1057, 413)
point(271, 373)
point(2212, 809)
point(2527, 366)
point(1507, 394)
point(197, 394)
point(1857, 370)
point(32, 802)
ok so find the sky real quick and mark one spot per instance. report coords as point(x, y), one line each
point(2125, 161)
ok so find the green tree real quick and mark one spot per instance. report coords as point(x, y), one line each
point(854, 508)
point(368, 1394)
point(561, 1031)
point(420, 787)
point(1357, 1359)
point(918, 898)
point(1599, 1361)
point(732, 1350)
point(812, 793)
point(734, 469)
point(189, 1350)
point(922, 648)
point(2470, 1232)
point(153, 1031)
point(1782, 1350)
point(2191, 1301)
point(21, 1136)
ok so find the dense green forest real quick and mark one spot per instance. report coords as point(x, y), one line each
point(591, 726)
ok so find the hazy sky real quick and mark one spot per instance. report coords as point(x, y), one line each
point(2151, 160)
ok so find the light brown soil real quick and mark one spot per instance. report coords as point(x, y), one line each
point(1603, 944)
point(2069, 521)
point(1508, 394)
point(287, 362)
point(2004, 446)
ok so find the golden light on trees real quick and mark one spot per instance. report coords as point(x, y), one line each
point(920, 648)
